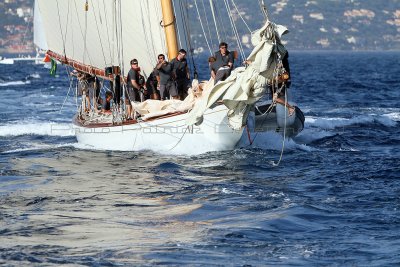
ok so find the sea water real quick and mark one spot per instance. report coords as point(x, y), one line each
point(333, 200)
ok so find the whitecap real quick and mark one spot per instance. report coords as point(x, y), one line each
point(332, 123)
point(226, 191)
point(35, 75)
point(310, 135)
point(270, 140)
point(394, 116)
point(13, 83)
point(37, 128)
point(39, 146)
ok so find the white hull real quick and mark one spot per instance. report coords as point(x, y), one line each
point(165, 135)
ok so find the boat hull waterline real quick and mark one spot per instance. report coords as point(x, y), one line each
point(171, 135)
point(164, 135)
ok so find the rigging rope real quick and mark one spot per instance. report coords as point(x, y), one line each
point(202, 27)
point(151, 52)
point(220, 21)
point(61, 31)
point(237, 10)
point(108, 34)
point(234, 29)
point(85, 35)
point(177, 28)
point(207, 23)
point(69, 89)
point(82, 34)
point(98, 33)
point(214, 19)
point(264, 9)
point(121, 57)
point(284, 133)
point(186, 30)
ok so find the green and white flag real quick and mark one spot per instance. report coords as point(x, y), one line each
point(53, 68)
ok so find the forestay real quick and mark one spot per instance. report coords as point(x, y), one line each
point(109, 33)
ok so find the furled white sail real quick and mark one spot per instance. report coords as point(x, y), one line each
point(109, 33)
point(39, 37)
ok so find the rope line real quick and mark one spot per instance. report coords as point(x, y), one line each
point(98, 33)
point(60, 24)
point(234, 29)
point(214, 19)
point(208, 24)
point(202, 27)
point(108, 33)
point(237, 10)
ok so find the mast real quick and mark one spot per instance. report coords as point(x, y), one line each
point(170, 28)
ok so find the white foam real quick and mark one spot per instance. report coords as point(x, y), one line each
point(35, 75)
point(35, 147)
point(332, 123)
point(309, 135)
point(387, 121)
point(270, 140)
point(394, 116)
point(13, 83)
point(37, 128)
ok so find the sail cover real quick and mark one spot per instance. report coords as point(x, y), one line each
point(105, 33)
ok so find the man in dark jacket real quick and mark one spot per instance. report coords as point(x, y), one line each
point(181, 73)
point(222, 66)
point(167, 84)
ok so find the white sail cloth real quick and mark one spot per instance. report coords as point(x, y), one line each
point(104, 33)
point(244, 86)
point(39, 36)
point(154, 108)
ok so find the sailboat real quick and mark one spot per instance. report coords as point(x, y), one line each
point(101, 37)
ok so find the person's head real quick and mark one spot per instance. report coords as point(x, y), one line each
point(134, 63)
point(181, 54)
point(223, 47)
point(160, 58)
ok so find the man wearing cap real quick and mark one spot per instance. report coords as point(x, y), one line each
point(133, 86)
point(181, 73)
point(167, 84)
point(223, 65)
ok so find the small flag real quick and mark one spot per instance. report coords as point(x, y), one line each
point(53, 68)
point(47, 58)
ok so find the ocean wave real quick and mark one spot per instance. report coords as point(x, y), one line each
point(270, 140)
point(394, 116)
point(13, 83)
point(37, 128)
point(34, 76)
point(310, 135)
point(332, 123)
point(39, 146)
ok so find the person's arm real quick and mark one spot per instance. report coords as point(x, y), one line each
point(230, 60)
point(135, 84)
point(164, 65)
point(213, 74)
point(187, 72)
point(159, 65)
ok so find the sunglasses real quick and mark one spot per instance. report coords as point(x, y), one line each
point(223, 47)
